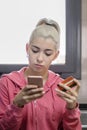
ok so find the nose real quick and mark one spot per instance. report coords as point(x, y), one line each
point(40, 57)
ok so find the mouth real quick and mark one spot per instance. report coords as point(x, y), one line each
point(38, 66)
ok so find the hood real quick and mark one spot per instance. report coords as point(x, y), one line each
point(53, 78)
point(17, 77)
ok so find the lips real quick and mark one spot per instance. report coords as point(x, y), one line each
point(38, 66)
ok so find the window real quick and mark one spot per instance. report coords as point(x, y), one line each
point(72, 63)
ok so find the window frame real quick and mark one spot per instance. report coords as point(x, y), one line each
point(73, 41)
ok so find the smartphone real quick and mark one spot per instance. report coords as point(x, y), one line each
point(69, 82)
point(35, 80)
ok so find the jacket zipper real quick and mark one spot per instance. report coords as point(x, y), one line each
point(35, 106)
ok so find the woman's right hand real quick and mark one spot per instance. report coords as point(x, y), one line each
point(28, 94)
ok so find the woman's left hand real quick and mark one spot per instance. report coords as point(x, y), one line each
point(70, 96)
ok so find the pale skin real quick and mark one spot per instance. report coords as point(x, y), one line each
point(41, 54)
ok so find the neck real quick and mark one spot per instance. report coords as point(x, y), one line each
point(31, 72)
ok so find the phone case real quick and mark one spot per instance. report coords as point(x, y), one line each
point(69, 82)
point(35, 80)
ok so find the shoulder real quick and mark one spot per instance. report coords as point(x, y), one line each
point(13, 78)
point(55, 76)
point(53, 79)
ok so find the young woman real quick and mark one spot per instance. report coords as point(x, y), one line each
point(28, 107)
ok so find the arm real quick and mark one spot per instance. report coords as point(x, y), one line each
point(71, 117)
point(10, 115)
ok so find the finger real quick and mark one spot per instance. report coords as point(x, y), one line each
point(32, 97)
point(67, 95)
point(34, 91)
point(65, 87)
point(29, 87)
point(59, 92)
point(77, 85)
point(68, 100)
point(72, 91)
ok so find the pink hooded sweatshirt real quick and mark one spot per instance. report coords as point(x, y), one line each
point(47, 113)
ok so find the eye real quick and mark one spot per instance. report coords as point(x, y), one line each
point(35, 49)
point(48, 53)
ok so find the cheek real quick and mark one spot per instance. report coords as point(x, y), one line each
point(31, 58)
point(48, 60)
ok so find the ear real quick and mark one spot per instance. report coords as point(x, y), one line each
point(56, 55)
point(27, 47)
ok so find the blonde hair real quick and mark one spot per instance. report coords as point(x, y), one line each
point(47, 28)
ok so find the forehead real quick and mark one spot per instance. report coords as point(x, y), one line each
point(43, 43)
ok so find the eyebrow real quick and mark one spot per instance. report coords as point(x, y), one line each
point(35, 47)
point(39, 48)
